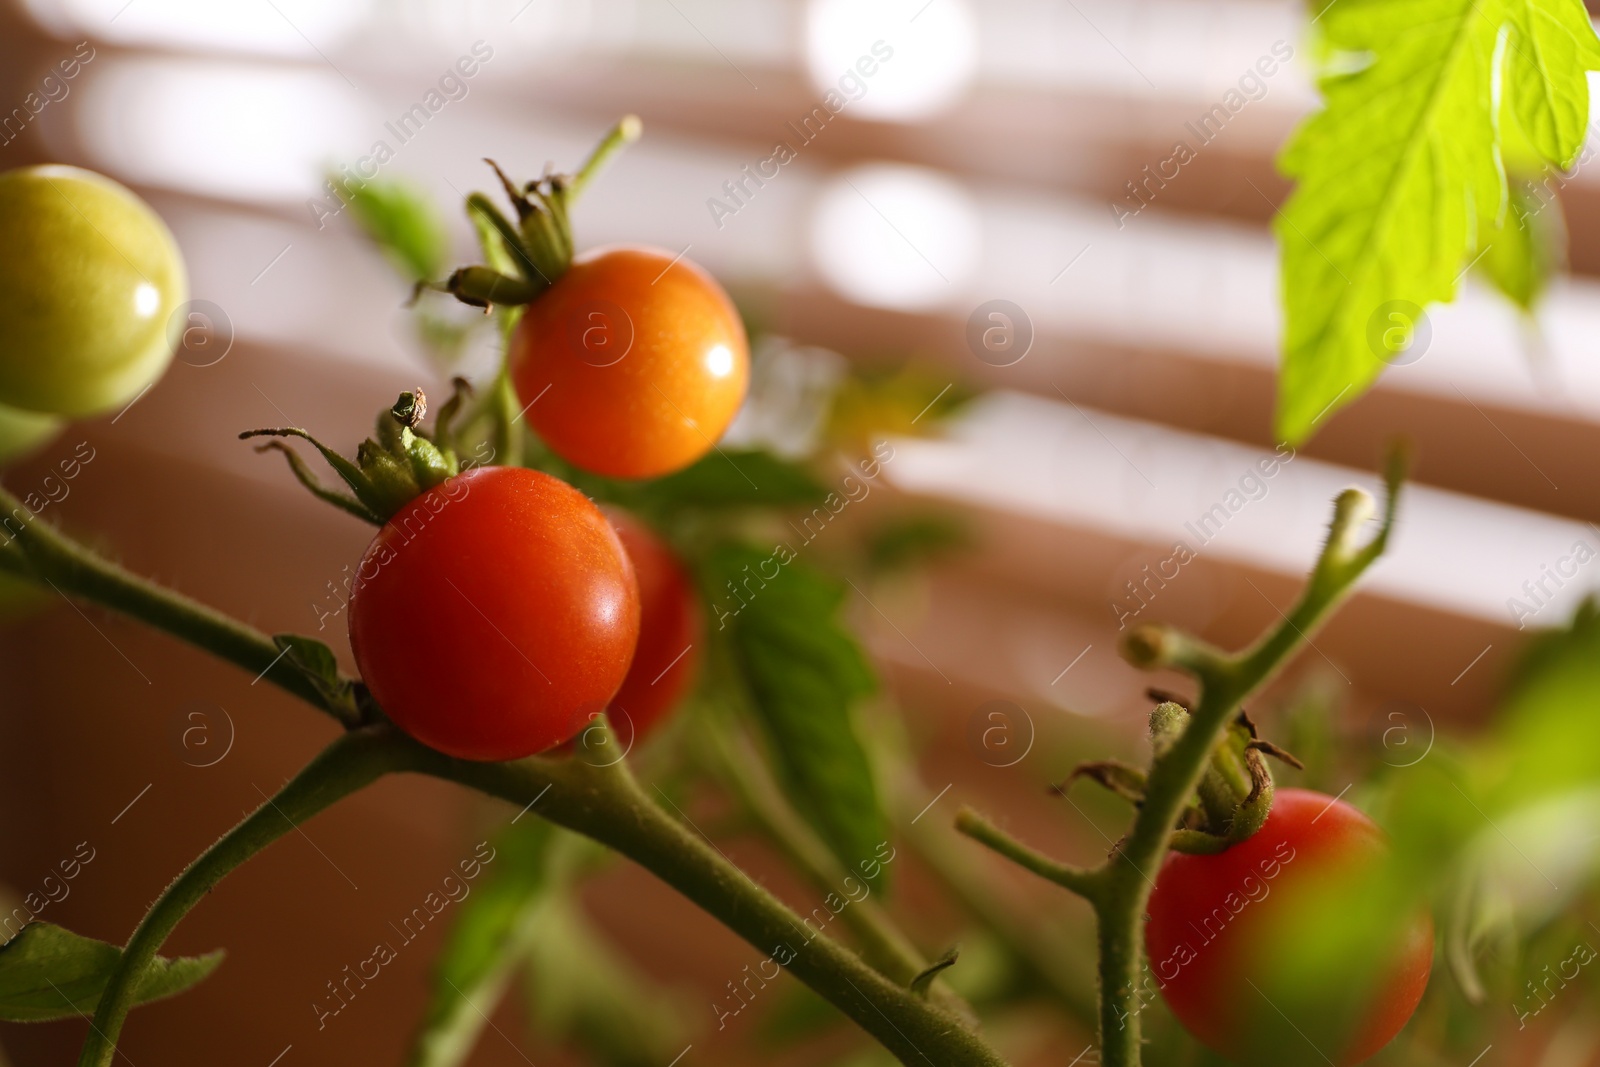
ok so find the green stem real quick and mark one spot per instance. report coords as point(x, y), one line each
point(883, 944)
point(45, 555)
point(604, 804)
point(1039, 949)
point(1120, 889)
point(1225, 683)
point(625, 132)
point(507, 421)
point(350, 763)
point(608, 806)
point(450, 1033)
point(1086, 883)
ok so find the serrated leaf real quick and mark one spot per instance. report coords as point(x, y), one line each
point(725, 479)
point(1551, 46)
point(402, 222)
point(1396, 170)
point(48, 972)
point(805, 674)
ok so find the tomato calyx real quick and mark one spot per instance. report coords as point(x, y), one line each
point(392, 468)
point(1235, 793)
point(527, 257)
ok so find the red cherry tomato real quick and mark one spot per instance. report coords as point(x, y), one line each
point(668, 653)
point(632, 364)
point(1208, 938)
point(493, 615)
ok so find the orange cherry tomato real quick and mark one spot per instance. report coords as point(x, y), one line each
point(495, 615)
point(668, 654)
point(633, 364)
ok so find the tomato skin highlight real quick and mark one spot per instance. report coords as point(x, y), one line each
point(632, 364)
point(90, 278)
point(1206, 936)
point(670, 620)
point(495, 614)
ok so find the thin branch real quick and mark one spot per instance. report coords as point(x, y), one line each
point(1153, 646)
point(82, 573)
point(627, 130)
point(607, 805)
point(1082, 881)
point(1175, 773)
point(883, 944)
point(350, 763)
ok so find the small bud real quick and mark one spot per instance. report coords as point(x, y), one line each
point(1351, 510)
point(1167, 723)
point(1147, 646)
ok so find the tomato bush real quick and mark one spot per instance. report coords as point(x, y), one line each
point(494, 614)
point(670, 620)
point(1218, 922)
point(633, 364)
point(90, 277)
point(498, 611)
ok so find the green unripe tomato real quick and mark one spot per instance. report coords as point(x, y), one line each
point(88, 281)
point(23, 431)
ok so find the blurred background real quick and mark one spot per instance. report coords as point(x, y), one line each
point(1011, 158)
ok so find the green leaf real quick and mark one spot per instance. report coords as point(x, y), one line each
point(1499, 834)
point(730, 479)
point(1513, 877)
point(1521, 247)
point(913, 540)
point(904, 401)
point(1552, 43)
point(520, 914)
point(582, 990)
point(805, 674)
point(403, 223)
point(1519, 252)
point(482, 950)
point(316, 661)
point(1397, 168)
point(1550, 737)
point(47, 972)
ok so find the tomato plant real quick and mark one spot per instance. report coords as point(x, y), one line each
point(670, 621)
point(1219, 922)
point(495, 613)
point(499, 611)
point(632, 364)
point(89, 280)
